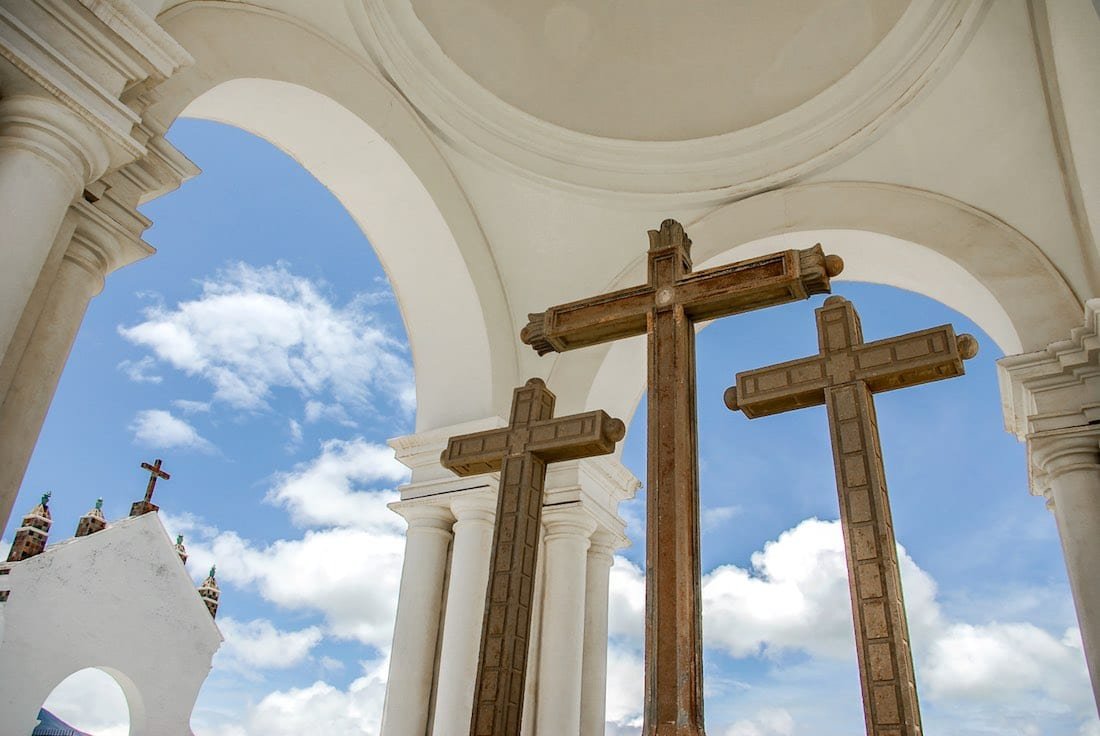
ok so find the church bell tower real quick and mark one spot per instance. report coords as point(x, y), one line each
point(30, 539)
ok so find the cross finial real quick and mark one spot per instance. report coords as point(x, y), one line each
point(154, 473)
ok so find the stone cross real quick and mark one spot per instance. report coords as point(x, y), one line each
point(520, 452)
point(666, 309)
point(146, 505)
point(843, 376)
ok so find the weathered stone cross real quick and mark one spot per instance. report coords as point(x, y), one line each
point(843, 376)
point(146, 505)
point(521, 451)
point(665, 309)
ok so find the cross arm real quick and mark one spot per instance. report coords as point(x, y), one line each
point(479, 452)
point(755, 283)
point(587, 322)
point(914, 358)
point(573, 437)
point(779, 388)
point(896, 362)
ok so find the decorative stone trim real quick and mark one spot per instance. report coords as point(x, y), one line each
point(925, 42)
point(1051, 400)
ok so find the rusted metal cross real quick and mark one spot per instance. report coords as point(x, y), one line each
point(521, 451)
point(843, 376)
point(665, 309)
point(146, 505)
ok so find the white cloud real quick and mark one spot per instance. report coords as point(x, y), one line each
point(715, 516)
point(324, 491)
point(139, 371)
point(794, 599)
point(350, 576)
point(257, 644)
point(356, 711)
point(192, 407)
point(771, 722)
point(1002, 661)
point(257, 329)
point(159, 428)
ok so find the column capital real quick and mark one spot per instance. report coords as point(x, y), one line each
point(474, 506)
point(100, 245)
point(123, 54)
point(1057, 387)
point(55, 133)
point(422, 515)
point(1056, 452)
point(568, 520)
point(1051, 400)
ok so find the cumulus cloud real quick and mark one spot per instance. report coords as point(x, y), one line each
point(793, 599)
point(140, 371)
point(254, 330)
point(356, 711)
point(772, 722)
point(161, 429)
point(258, 644)
point(326, 490)
point(350, 576)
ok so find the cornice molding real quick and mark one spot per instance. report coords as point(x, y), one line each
point(927, 40)
point(130, 54)
point(1055, 388)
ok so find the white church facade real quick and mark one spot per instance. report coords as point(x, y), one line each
point(504, 157)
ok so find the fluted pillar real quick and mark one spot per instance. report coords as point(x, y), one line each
point(416, 631)
point(1070, 463)
point(95, 250)
point(1051, 400)
point(48, 155)
point(594, 658)
point(469, 577)
point(567, 537)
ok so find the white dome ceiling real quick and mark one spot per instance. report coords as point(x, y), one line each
point(657, 70)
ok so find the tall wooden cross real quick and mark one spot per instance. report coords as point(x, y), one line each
point(146, 505)
point(843, 376)
point(521, 451)
point(665, 309)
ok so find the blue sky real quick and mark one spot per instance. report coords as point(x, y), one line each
point(261, 354)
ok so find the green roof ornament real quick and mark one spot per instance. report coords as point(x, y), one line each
point(179, 539)
point(99, 504)
point(212, 568)
point(46, 498)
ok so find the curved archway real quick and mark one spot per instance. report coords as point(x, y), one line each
point(96, 700)
point(392, 180)
point(909, 238)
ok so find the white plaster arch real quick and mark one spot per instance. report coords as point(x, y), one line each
point(351, 130)
point(105, 685)
point(899, 236)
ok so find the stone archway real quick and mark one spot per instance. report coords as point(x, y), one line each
point(353, 132)
point(909, 238)
point(94, 699)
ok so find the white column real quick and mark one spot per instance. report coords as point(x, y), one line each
point(1051, 399)
point(94, 251)
point(416, 631)
point(458, 657)
point(559, 707)
point(594, 658)
point(1070, 462)
point(47, 156)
